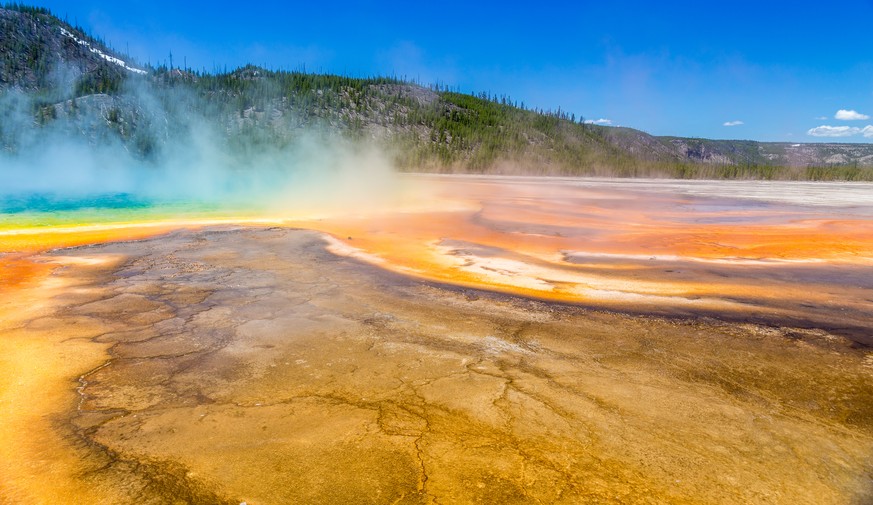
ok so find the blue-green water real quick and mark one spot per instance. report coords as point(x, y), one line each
point(42, 209)
point(48, 203)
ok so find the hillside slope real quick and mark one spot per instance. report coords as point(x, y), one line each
point(41, 53)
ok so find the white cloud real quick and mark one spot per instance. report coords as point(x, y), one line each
point(833, 131)
point(601, 121)
point(840, 131)
point(733, 123)
point(850, 115)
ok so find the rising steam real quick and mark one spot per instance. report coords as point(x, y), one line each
point(67, 156)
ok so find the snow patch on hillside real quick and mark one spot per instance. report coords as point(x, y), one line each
point(110, 59)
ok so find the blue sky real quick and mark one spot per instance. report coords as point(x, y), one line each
point(771, 71)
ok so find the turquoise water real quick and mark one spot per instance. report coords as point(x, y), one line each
point(47, 203)
point(41, 209)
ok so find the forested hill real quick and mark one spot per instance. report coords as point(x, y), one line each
point(54, 77)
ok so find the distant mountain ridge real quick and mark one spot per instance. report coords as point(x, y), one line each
point(791, 154)
point(56, 77)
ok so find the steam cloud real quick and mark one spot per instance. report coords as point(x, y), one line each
point(67, 157)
